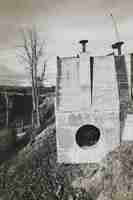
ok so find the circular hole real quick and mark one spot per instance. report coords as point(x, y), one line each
point(87, 135)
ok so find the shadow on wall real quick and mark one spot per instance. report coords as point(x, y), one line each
point(123, 89)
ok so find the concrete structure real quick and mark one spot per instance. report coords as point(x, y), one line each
point(128, 129)
point(127, 134)
point(91, 106)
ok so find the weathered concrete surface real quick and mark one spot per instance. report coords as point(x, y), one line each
point(128, 129)
point(74, 108)
point(123, 89)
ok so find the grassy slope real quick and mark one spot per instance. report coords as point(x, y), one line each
point(35, 174)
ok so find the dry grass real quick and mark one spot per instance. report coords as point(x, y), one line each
point(34, 173)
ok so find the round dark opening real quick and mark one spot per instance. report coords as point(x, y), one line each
point(87, 135)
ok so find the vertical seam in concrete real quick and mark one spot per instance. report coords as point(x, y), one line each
point(91, 76)
point(58, 80)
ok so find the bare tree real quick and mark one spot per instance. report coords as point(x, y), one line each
point(31, 54)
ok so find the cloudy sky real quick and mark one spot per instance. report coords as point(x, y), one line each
point(62, 23)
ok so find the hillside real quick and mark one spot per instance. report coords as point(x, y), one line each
point(35, 174)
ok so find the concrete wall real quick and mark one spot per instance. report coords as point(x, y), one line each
point(75, 109)
point(123, 89)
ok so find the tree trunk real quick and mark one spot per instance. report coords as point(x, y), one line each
point(37, 98)
point(7, 109)
point(33, 99)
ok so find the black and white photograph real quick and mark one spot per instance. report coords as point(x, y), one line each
point(66, 100)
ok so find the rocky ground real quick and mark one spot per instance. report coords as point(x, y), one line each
point(114, 178)
point(34, 174)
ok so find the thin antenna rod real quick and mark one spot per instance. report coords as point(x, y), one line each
point(118, 44)
point(115, 27)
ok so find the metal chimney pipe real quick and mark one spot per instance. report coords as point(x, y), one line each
point(83, 43)
point(118, 46)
